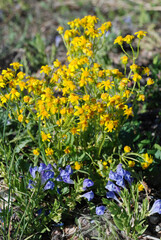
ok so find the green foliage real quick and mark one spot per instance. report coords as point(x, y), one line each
point(93, 150)
point(127, 215)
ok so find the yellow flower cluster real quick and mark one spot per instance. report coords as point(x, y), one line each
point(147, 161)
point(128, 38)
point(74, 96)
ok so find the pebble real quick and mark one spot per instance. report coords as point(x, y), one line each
point(154, 219)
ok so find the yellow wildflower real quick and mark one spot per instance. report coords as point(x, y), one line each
point(104, 163)
point(140, 187)
point(141, 97)
point(134, 67)
point(146, 71)
point(150, 81)
point(77, 166)
point(105, 27)
point(124, 59)
point(128, 39)
point(14, 93)
point(74, 130)
point(21, 75)
point(45, 137)
point(26, 99)
point(86, 97)
point(36, 152)
point(131, 163)
point(128, 111)
point(144, 165)
point(136, 77)
point(49, 151)
point(67, 150)
point(56, 63)
point(119, 40)
point(20, 118)
point(60, 30)
point(127, 149)
point(140, 34)
point(16, 65)
point(109, 126)
point(147, 161)
point(45, 69)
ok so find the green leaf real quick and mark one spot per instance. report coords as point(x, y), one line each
point(158, 154)
point(22, 145)
point(82, 156)
point(157, 146)
point(118, 223)
point(65, 190)
point(140, 229)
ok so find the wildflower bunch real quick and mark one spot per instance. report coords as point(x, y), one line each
point(74, 114)
point(124, 208)
point(131, 158)
point(51, 180)
point(47, 174)
point(90, 98)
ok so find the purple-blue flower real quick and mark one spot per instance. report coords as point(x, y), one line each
point(156, 208)
point(88, 195)
point(100, 210)
point(30, 185)
point(65, 175)
point(121, 183)
point(123, 173)
point(87, 183)
point(68, 180)
point(46, 175)
point(128, 177)
point(120, 171)
point(112, 195)
point(33, 171)
point(43, 167)
point(114, 176)
point(49, 185)
point(112, 187)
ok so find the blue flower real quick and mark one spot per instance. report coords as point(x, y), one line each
point(112, 195)
point(100, 210)
point(68, 180)
point(121, 183)
point(120, 171)
point(33, 171)
point(114, 176)
point(65, 175)
point(46, 175)
point(88, 195)
point(43, 167)
point(87, 183)
point(128, 177)
point(49, 185)
point(112, 187)
point(156, 208)
point(30, 185)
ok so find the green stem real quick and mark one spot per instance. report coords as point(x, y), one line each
point(138, 47)
point(133, 53)
point(125, 51)
point(101, 145)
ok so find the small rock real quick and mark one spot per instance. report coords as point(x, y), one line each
point(157, 228)
point(154, 219)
